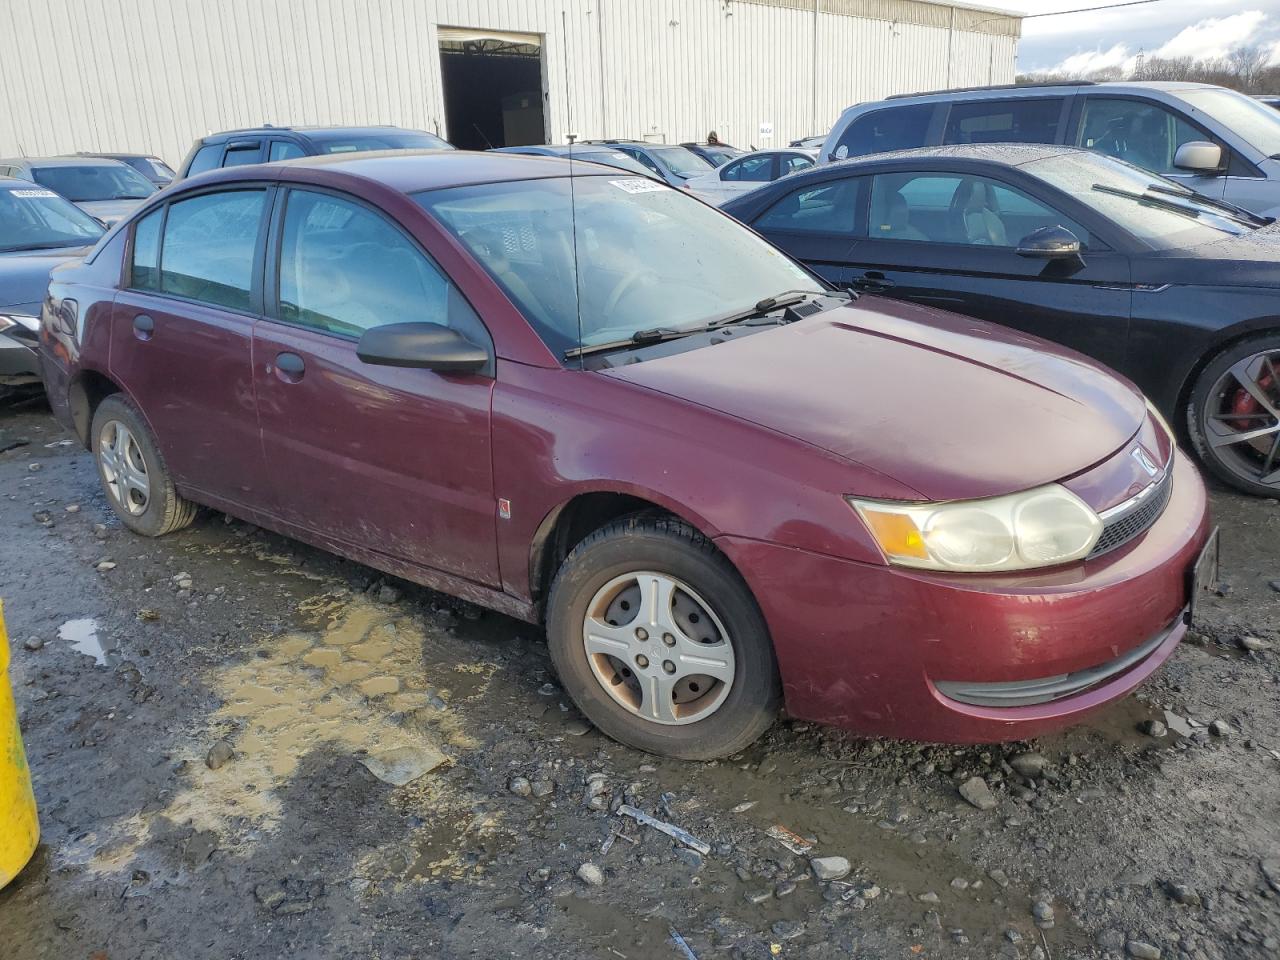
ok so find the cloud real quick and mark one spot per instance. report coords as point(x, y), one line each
point(1208, 38)
point(1214, 37)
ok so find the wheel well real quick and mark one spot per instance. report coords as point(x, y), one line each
point(87, 391)
point(1189, 382)
point(572, 523)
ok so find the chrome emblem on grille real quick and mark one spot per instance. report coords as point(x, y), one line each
point(1145, 461)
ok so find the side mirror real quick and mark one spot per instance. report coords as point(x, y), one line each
point(1199, 156)
point(1049, 243)
point(427, 346)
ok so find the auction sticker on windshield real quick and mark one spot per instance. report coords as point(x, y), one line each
point(638, 185)
point(32, 193)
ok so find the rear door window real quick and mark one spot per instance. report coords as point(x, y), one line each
point(209, 248)
point(239, 154)
point(891, 128)
point(828, 208)
point(752, 169)
point(1004, 121)
point(793, 163)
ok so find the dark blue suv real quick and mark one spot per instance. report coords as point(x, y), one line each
point(268, 144)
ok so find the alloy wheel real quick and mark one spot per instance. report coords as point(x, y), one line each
point(658, 649)
point(123, 467)
point(1242, 419)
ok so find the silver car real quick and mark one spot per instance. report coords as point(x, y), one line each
point(1216, 141)
point(105, 189)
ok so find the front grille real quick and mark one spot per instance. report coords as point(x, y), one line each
point(1132, 518)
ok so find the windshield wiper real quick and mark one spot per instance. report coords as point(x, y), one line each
point(653, 335)
point(1150, 200)
point(1237, 213)
point(48, 245)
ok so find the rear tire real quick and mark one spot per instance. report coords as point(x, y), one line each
point(1224, 404)
point(133, 473)
point(665, 693)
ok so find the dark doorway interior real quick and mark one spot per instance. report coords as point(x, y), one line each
point(492, 93)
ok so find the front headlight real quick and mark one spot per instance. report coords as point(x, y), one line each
point(9, 320)
point(1037, 528)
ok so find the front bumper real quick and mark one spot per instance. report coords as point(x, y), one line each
point(877, 649)
point(19, 361)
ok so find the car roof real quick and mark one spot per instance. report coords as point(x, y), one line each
point(412, 171)
point(1007, 153)
point(308, 131)
point(94, 161)
point(1028, 90)
point(113, 156)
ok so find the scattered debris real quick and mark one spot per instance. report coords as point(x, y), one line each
point(830, 868)
point(676, 833)
point(33, 644)
point(1177, 724)
point(1220, 728)
point(1141, 950)
point(1253, 644)
point(683, 947)
point(1153, 728)
point(976, 791)
point(1029, 764)
point(590, 874)
point(744, 806)
point(790, 839)
point(401, 765)
point(219, 754)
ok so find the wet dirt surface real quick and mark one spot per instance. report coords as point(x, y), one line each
point(243, 747)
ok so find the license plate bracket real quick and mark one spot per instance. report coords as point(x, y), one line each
point(1204, 573)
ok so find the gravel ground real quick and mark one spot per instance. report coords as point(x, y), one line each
point(246, 748)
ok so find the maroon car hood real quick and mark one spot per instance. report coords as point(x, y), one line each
point(949, 406)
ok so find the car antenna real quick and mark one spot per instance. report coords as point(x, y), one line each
point(573, 197)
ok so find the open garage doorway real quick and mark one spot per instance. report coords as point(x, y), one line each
point(493, 88)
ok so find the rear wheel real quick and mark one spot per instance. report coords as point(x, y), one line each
point(1234, 415)
point(660, 643)
point(133, 473)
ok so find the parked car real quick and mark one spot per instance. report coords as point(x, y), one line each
point(104, 189)
point(269, 144)
point(747, 173)
point(151, 167)
point(810, 145)
point(1216, 141)
point(1270, 100)
point(38, 231)
point(716, 154)
point(1175, 290)
point(588, 154)
point(670, 163)
point(716, 480)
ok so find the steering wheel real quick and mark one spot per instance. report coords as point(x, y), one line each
point(622, 286)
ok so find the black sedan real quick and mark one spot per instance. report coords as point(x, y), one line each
point(1179, 292)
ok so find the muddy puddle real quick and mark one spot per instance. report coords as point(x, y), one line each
point(82, 634)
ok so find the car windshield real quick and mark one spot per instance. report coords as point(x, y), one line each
point(612, 158)
point(156, 168)
point(85, 184)
point(681, 162)
point(636, 253)
point(1255, 123)
point(390, 140)
point(721, 155)
point(33, 218)
point(1162, 212)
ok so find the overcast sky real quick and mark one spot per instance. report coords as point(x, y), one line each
point(1174, 28)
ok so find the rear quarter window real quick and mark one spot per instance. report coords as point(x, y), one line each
point(206, 158)
point(890, 128)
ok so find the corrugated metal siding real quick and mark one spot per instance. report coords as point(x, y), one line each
point(152, 75)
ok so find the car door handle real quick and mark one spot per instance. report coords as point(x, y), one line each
point(872, 282)
point(143, 327)
point(290, 367)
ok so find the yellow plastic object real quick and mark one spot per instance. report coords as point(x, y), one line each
point(19, 828)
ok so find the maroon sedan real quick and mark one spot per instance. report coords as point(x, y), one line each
point(599, 404)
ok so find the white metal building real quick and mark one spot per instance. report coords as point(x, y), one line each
point(152, 75)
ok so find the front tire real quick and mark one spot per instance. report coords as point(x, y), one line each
point(1233, 415)
point(133, 473)
point(660, 643)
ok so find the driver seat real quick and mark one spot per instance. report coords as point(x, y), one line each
point(975, 214)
